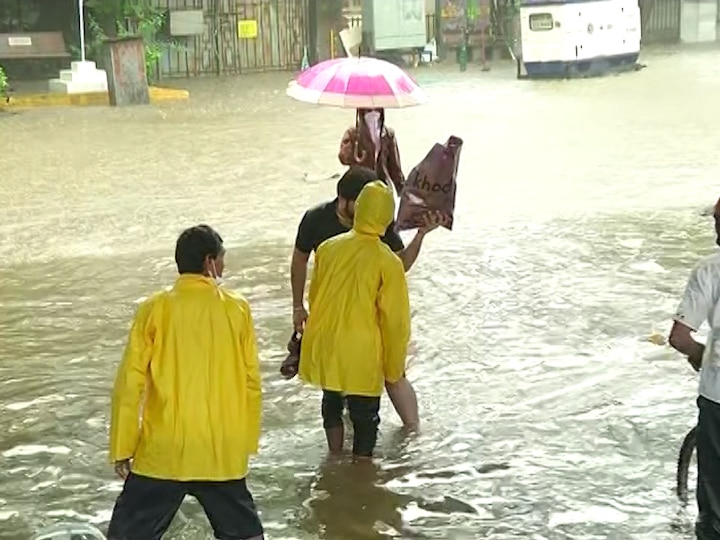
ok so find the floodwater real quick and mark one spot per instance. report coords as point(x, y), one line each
point(547, 414)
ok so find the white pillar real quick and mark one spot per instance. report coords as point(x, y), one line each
point(82, 30)
point(83, 76)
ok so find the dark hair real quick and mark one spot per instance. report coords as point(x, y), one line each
point(353, 181)
point(194, 246)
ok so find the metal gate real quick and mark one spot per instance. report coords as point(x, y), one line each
point(278, 44)
point(660, 20)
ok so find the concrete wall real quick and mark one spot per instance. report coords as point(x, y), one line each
point(699, 21)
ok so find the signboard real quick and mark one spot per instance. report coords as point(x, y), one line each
point(395, 25)
point(187, 23)
point(247, 29)
point(458, 15)
point(20, 41)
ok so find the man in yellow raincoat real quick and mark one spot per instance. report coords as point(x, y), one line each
point(190, 370)
point(335, 217)
point(358, 329)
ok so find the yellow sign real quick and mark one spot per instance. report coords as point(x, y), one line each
point(247, 29)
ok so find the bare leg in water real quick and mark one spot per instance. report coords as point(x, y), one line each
point(404, 399)
point(402, 395)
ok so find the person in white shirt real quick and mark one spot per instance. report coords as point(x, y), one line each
point(700, 304)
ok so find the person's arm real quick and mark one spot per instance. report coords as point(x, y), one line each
point(316, 278)
point(395, 243)
point(304, 243)
point(693, 311)
point(394, 317)
point(410, 253)
point(248, 349)
point(298, 277)
point(130, 385)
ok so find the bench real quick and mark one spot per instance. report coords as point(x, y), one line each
point(32, 45)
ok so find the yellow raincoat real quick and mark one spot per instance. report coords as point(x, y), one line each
point(191, 364)
point(358, 330)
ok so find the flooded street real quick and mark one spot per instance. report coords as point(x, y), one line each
point(547, 414)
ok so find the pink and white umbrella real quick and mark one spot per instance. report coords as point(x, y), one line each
point(357, 83)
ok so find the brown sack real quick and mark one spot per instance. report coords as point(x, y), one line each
point(431, 186)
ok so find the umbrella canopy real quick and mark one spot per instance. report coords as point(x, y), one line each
point(357, 83)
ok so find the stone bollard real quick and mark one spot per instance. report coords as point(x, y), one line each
point(124, 61)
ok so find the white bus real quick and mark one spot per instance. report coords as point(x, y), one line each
point(576, 38)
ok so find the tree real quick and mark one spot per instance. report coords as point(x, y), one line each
point(119, 18)
point(3, 84)
point(107, 14)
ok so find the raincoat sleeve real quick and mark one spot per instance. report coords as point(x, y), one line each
point(248, 349)
point(130, 386)
point(394, 313)
point(316, 275)
point(347, 147)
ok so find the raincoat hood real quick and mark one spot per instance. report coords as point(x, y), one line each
point(374, 209)
point(357, 333)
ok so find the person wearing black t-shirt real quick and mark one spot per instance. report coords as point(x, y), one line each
point(336, 217)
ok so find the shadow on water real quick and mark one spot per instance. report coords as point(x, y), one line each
point(346, 502)
point(353, 501)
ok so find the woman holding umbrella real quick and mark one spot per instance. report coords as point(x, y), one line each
point(370, 143)
point(369, 86)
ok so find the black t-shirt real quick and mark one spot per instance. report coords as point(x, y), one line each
point(321, 222)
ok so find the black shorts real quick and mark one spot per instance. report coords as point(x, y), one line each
point(147, 506)
point(708, 462)
point(364, 415)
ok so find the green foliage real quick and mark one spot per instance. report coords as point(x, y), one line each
point(94, 40)
point(3, 83)
point(146, 21)
point(136, 18)
point(106, 7)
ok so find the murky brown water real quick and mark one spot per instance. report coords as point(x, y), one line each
point(546, 415)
